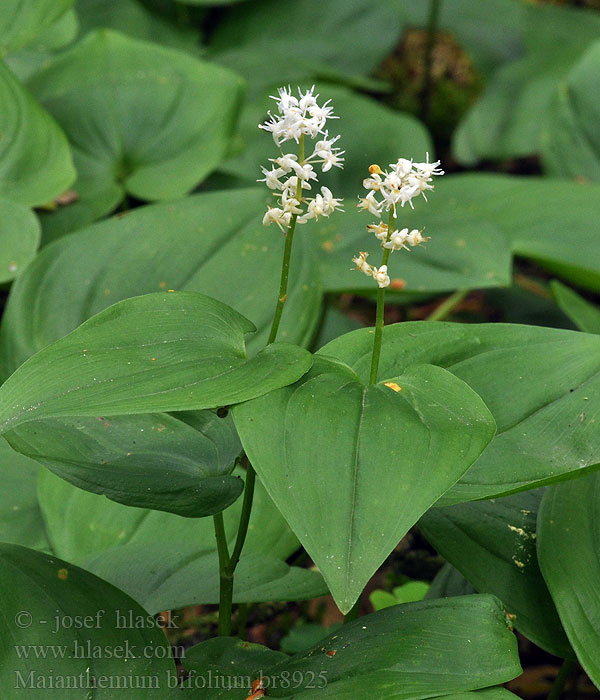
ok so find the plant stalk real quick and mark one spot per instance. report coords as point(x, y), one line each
point(227, 564)
point(448, 305)
point(225, 578)
point(569, 665)
point(379, 321)
point(287, 254)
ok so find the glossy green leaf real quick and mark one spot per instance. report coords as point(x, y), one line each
point(506, 122)
point(142, 119)
point(416, 650)
point(180, 463)
point(41, 597)
point(569, 556)
point(550, 222)
point(540, 384)
point(570, 143)
point(158, 352)
point(21, 21)
point(493, 544)
point(20, 517)
point(268, 45)
point(462, 254)
point(584, 315)
point(396, 133)
point(82, 525)
point(35, 160)
point(19, 238)
point(215, 249)
point(323, 449)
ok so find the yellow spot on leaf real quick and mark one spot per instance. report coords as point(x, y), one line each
point(63, 574)
point(394, 386)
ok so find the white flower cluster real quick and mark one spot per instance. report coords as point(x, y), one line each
point(289, 175)
point(404, 181)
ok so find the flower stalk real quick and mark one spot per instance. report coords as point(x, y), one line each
point(289, 177)
point(401, 184)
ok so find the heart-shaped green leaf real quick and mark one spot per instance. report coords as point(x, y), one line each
point(142, 119)
point(493, 544)
point(570, 143)
point(506, 122)
point(158, 352)
point(407, 652)
point(72, 633)
point(569, 556)
point(344, 462)
point(19, 238)
point(35, 160)
point(584, 315)
point(541, 385)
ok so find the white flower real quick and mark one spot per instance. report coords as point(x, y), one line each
point(362, 264)
point(271, 178)
point(297, 115)
point(369, 203)
point(290, 176)
point(397, 240)
point(381, 276)
point(380, 230)
point(326, 154)
point(285, 161)
point(415, 238)
point(404, 181)
point(275, 215)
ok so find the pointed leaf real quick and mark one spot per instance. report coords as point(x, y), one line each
point(143, 119)
point(407, 652)
point(541, 385)
point(569, 555)
point(323, 449)
point(35, 159)
point(42, 599)
point(159, 352)
point(493, 544)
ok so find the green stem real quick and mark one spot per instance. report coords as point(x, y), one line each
point(566, 669)
point(352, 614)
point(242, 619)
point(448, 305)
point(380, 309)
point(287, 254)
point(225, 578)
point(227, 564)
point(244, 517)
point(432, 26)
